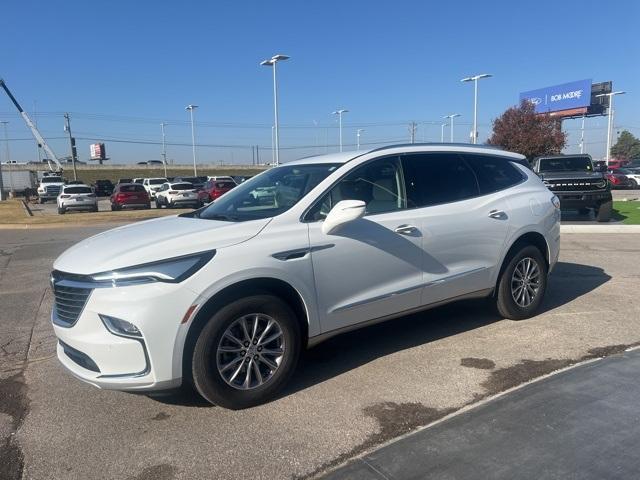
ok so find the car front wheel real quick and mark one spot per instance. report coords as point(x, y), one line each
point(246, 352)
point(522, 284)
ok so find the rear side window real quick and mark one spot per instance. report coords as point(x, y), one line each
point(494, 173)
point(436, 178)
point(132, 188)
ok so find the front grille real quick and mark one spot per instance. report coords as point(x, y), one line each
point(80, 358)
point(53, 190)
point(69, 300)
point(573, 185)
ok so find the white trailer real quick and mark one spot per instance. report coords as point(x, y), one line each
point(18, 180)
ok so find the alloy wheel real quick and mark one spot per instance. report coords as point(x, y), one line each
point(525, 282)
point(250, 351)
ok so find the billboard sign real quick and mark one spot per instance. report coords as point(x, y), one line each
point(97, 151)
point(568, 96)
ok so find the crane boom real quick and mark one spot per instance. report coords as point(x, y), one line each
point(34, 130)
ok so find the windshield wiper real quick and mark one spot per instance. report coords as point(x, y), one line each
point(220, 216)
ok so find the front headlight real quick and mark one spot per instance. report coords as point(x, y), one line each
point(171, 270)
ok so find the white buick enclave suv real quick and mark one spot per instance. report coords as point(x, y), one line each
point(226, 297)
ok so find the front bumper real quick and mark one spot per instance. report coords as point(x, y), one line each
point(152, 362)
point(583, 199)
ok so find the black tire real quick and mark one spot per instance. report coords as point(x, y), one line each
point(62, 210)
point(603, 214)
point(633, 184)
point(148, 206)
point(41, 200)
point(505, 302)
point(207, 379)
point(114, 207)
point(158, 204)
point(94, 209)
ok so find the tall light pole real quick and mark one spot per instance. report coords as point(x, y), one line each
point(339, 113)
point(451, 117)
point(358, 133)
point(164, 149)
point(610, 122)
point(191, 108)
point(272, 63)
point(442, 132)
point(474, 79)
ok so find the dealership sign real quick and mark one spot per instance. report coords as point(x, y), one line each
point(568, 96)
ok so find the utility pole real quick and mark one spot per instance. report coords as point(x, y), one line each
point(442, 132)
point(358, 134)
point(6, 144)
point(164, 149)
point(72, 144)
point(582, 136)
point(412, 131)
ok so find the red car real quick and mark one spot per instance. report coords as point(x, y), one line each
point(617, 180)
point(129, 195)
point(214, 189)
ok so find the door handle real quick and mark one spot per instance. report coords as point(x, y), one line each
point(406, 229)
point(498, 215)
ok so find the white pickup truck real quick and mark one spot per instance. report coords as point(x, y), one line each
point(49, 188)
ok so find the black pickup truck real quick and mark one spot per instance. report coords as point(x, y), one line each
point(573, 179)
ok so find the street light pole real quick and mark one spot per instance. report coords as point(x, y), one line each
point(164, 150)
point(191, 108)
point(358, 132)
point(272, 63)
point(610, 119)
point(451, 117)
point(339, 113)
point(474, 79)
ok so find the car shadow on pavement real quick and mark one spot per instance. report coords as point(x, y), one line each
point(340, 354)
point(351, 350)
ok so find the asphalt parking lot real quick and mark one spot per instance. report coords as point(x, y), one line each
point(349, 395)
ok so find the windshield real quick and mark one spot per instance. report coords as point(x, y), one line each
point(568, 164)
point(182, 186)
point(269, 194)
point(157, 181)
point(190, 179)
point(51, 180)
point(78, 190)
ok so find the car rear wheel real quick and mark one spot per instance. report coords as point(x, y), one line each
point(246, 352)
point(522, 284)
point(633, 184)
point(603, 214)
point(114, 207)
point(62, 210)
point(94, 209)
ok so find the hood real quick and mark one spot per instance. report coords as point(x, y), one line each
point(577, 175)
point(153, 240)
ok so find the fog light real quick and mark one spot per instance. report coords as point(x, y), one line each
point(120, 327)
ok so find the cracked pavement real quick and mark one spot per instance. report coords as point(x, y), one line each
point(349, 394)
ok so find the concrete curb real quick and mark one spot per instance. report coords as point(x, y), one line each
point(26, 208)
point(600, 228)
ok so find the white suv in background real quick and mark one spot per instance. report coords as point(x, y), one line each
point(228, 295)
point(179, 194)
point(152, 185)
point(77, 197)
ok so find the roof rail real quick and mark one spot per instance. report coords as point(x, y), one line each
point(436, 144)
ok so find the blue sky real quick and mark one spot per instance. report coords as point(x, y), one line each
point(122, 67)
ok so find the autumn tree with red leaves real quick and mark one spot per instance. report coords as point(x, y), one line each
point(521, 130)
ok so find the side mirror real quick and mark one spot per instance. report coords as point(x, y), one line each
point(343, 212)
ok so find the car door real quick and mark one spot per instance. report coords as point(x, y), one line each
point(464, 227)
point(369, 268)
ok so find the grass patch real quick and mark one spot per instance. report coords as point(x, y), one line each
point(627, 212)
point(12, 213)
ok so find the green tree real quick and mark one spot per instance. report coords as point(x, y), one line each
point(520, 129)
point(627, 147)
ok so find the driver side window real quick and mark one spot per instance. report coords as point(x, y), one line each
point(378, 183)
